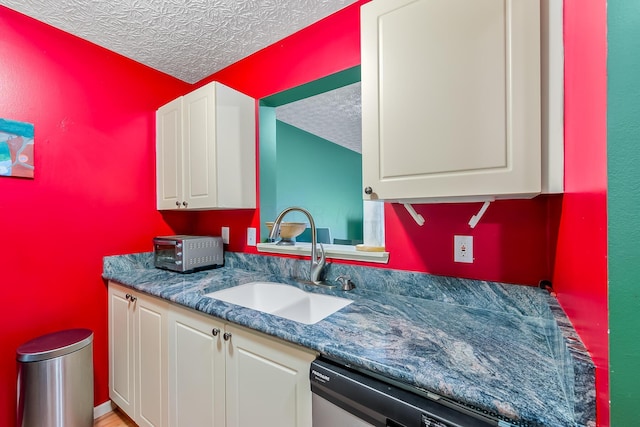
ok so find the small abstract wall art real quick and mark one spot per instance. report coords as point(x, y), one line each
point(16, 149)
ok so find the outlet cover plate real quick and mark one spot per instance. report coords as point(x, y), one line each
point(463, 249)
point(251, 236)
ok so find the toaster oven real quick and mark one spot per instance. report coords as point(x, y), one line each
point(186, 254)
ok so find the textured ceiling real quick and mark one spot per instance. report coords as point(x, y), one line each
point(188, 39)
point(334, 116)
point(192, 39)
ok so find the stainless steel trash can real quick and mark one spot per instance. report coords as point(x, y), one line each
point(55, 380)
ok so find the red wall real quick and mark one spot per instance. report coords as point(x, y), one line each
point(93, 192)
point(580, 276)
point(511, 243)
point(562, 238)
point(87, 202)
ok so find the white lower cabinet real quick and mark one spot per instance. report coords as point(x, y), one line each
point(172, 366)
point(267, 381)
point(138, 355)
point(225, 375)
point(196, 370)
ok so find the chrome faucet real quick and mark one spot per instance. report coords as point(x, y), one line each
point(317, 262)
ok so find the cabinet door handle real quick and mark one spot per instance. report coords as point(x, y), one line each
point(177, 203)
point(215, 332)
point(226, 336)
point(133, 299)
point(368, 190)
point(185, 204)
point(128, 297)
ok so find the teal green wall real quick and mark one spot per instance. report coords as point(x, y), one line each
point(623, 147)
point(314, 87)
point(267, 167)
point(301, 169)
point(322, 177)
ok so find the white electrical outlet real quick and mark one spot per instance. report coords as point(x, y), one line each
point(251, 236)
point(463, 249)
point(225, 235)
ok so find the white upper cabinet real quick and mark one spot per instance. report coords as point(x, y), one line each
point(451, 99)
point(205, 150)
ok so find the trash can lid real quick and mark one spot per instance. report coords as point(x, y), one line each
point(54, 345)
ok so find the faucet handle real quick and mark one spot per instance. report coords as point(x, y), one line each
point(345, 282)
point(317, 265)
point(322, 259)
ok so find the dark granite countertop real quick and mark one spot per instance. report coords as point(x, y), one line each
point(503, 348)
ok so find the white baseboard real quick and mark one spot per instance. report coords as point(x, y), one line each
point(102, 409)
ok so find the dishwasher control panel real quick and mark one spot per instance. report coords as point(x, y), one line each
point(374, 400)
point(427, 421)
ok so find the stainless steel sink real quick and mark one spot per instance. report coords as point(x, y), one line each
point(282, 300)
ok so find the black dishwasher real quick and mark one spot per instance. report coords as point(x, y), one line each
point(345, 397)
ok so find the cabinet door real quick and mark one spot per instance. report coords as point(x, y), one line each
point(169, 155)
point(198, 118)
point(451, 98)
point(151, 361)
point(267, 382)
point(121, 348)
point(196, 370)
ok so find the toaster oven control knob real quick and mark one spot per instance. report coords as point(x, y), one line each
point(178, 245)
point(178, 253)
point(178, 262)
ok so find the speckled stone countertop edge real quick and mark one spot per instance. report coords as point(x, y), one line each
point(578, 369)
point(573, 362)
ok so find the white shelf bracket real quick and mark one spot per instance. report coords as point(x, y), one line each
point(415, 215)
point(476, 218)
